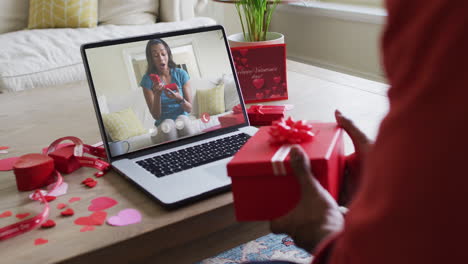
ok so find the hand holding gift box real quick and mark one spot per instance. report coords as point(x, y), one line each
point(263, 183)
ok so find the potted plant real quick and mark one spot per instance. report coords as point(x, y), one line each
point(255, 17)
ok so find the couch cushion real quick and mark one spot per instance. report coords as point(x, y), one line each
point(45, 57)
point(123, 124)
point(62, 14)
point(13, 15)
point(128, 12)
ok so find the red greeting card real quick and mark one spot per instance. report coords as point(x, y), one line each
point(261, 71)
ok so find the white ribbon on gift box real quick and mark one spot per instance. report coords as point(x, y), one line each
point(277, 161)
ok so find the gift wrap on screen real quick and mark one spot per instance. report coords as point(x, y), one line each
point(264, 191)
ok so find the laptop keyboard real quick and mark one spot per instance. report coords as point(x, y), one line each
point(194, 156)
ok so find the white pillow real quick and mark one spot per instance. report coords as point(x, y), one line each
point(128, 12)
point(231, 98)
point(13, 15)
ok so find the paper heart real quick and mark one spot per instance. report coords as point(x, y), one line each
point(61, 189)
point(87, 180)
point(99, 174)
point(259, 96)
point(91, 184)
point(40, 241)
point(4, 147)
point(125, 217)
point(102, 203)
point(96, 218)
point(6, 214)
point(22, 216)
point(277, 79)
point(68, 212)
point(49, 198)
point(87, 228)
point(243, 52)
point(244, 61)
point(74, 199)
point(7, 164)
point(48, 224)
point(258, 83)
point(60, 206)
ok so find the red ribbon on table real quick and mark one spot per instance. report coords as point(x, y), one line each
point(28, 224)
point(287, 133)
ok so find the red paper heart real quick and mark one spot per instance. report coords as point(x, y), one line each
point(74, 199)
point(243, 52)
point(102, 203)
point(87, 180)
point(60, 206)
point(258, 83)
point(6, 214)
point(259, 96)
point(244, 61)
point(4, 147)
point(50, 198)
point(99, 174)
point(7, 164)
point(91, 184)
point(68, 212)
point(87, 228)
point(277, 79)
point(21, 216)
point(48, 224)
point(96, 218)
point(40, 241)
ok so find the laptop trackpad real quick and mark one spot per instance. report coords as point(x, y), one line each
point(217, 171)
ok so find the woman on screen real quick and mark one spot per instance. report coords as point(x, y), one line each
point(166, 88)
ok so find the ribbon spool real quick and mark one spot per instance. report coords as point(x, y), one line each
point(33, 171)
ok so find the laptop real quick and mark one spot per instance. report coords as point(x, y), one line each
point(180, 155)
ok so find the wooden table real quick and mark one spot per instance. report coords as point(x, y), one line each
point(30, 120)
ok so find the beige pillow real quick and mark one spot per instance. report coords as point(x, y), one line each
point(128, 12)
point(211, 100)
point(62, 14)
point(122, 125)
point(13, 15)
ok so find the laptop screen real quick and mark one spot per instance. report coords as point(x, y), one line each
point(155, 90)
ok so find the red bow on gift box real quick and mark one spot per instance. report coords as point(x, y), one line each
point(290, 132)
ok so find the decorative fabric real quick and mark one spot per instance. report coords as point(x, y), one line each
point(62, 13)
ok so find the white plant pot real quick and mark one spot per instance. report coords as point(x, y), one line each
point(237, 40)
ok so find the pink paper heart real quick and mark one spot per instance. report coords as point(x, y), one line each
point(74, 199)
point(243, 52)
point(277, 79)
point(101, 203)
point(40, 241)
point(7, 164)
point(87, 228)
point(125, 217)
point(258, 83)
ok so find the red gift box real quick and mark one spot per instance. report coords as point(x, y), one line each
point(265, 190)
point(231, 120)
point(261, 71)
point(264, 115)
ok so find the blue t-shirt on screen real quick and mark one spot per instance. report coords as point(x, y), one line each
point(170, 109)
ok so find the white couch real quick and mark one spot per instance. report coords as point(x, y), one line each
point(46, 57)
